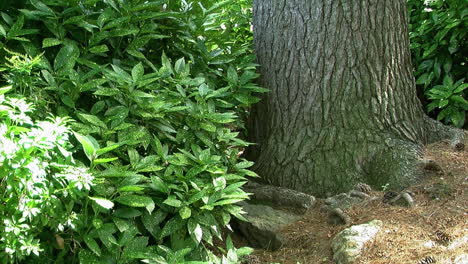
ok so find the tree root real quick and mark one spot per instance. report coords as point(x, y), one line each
point(404, 198)
point(362, 187)
point(432, 166)
point(438, 132)
point(338, 217)
point(280, 196)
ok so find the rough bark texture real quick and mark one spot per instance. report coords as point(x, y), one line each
point(343, 107)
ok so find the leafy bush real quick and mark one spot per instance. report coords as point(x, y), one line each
point(40, 183)
point(159, 90)
point(438, 37)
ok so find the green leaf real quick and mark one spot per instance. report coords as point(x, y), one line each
point(88, 146)
point(137, 72)
point(179, 65)
point(203, 89)
point(99, 49)
point(106, 160)
point(93, 245)
point(172, 226)
point(104, 203)
point(459, 99)
point(158, 184)
point(92, 119)
point(5, 89)
point(66, 57)
point(185, 212)
point(458, 118)
point(135, 200)
point(244, 164)
point(173, 201)
point(166, 62)
point(448, 81)
point(107, 91)
point(50, 42)
point(116, 172)
point(232, 76)
point(244, 251)
point(460, 88)
point(122, 225)
point(98, 107)
point(88, 257)
point(107, 238)
point(219, 183)
point(430, 50)
point(127, 213)
point(2, 31)
point(107, 149)
point(208, 126)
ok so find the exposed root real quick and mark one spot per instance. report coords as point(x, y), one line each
point(338, 217)
point(404, 198)
point(359, 194)
point(432, 166)
point(280, 196)
point(457, 145)
point(395, 165)
point(362, 187)
point(438, 132)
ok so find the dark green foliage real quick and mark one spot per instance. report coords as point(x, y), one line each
point(158, 89)
point(438, 44)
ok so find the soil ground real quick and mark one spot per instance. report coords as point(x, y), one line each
point(440, 212)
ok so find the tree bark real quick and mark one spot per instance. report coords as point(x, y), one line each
point(343, 107)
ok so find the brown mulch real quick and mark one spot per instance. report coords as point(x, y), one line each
point(439, 215)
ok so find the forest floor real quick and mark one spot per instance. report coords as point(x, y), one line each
point(440, 213)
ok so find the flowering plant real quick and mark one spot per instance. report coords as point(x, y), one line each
point(40, 184)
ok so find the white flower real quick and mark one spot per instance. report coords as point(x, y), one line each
point(30, 212)
point(38, 173)
point(21, 105)
point(8, 147)
point(30, 246)
point(3, 129)
point(46, 135)
point(79, 177)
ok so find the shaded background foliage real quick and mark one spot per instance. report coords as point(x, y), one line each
point(438, 44)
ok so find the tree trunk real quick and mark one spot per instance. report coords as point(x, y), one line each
point(343, 107)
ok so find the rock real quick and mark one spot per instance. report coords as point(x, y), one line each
point(264, 224)
point(348, 244)
point(462, 259)
point(458, 242)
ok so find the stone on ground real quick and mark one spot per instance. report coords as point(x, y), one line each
point(264, 224)
point(462, 259)
point(348, 244)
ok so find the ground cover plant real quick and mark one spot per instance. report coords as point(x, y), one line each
point(157, 91)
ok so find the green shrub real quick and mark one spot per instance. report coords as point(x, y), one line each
point(438, 45)
point(159, 92)
point(40, 184)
